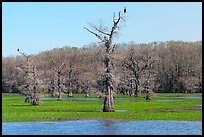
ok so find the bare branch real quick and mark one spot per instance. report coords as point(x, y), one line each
point(27, 56)
point(99, 37)
point(18, 68)
point(61, 66)
point(146, 65)
point(99, 30)
point(113, 48)
point(115, 25)
point(114, 17)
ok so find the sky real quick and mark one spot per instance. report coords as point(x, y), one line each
point(34, 27)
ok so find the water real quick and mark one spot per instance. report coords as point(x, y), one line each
point(101, 99)
point(88, 99)
point(103, 127)
point(188, 97)
point(182, 96)
point(123, 99)
point(166, 100)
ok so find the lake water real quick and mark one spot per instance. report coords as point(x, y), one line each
point(103, 127)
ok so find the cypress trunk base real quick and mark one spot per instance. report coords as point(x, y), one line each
point(106, 107)
point(148, 97)
point(35, 102)
point(59, 98)
point(108, 110)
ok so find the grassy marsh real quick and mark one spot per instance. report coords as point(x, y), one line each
point(14, 109)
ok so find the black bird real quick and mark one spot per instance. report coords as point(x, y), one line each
point(124, 9)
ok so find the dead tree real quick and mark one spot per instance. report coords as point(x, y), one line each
point(51, 88)
point(149, 59)
point(137, 64)
point(147, 90)
point(32, 83)
point(56, 82)
point(59, 85)
point(106, 38)
point(70, 76)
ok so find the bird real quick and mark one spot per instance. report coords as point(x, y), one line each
point(125, 10)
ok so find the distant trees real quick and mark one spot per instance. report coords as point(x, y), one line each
point(177, 68)
point(10, 77)
point(178, 64)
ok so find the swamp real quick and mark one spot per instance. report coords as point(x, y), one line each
point(78, 115)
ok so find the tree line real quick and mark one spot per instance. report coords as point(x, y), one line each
point(172, 66)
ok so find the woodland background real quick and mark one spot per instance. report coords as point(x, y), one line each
point(177, 68)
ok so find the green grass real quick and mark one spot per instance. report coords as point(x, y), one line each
point(15, 109)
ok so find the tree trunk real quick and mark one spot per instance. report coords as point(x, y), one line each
point(70, 94)
point(148, 93)
point(87, 95)
point(59, 97)
point(148, 96)
point(35, 100)
point(131, 89)
point(109, 100)
point(27, 99)
point(137, 91)
point(108, 103)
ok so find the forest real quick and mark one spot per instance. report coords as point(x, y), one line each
point(165, 67)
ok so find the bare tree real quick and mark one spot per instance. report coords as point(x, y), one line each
point(137, 63)
point(59, 85)
point(32, 86)
point(106, 37)
point(71, 78)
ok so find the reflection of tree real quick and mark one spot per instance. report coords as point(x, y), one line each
point(110, 127)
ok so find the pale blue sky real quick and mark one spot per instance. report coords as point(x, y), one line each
point(36, 27)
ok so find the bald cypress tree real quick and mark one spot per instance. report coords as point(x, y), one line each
point(106, 37)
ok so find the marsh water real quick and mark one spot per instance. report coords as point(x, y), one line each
point(103, 127)
point(101, 99)
point(121, 99)
point(87, 99)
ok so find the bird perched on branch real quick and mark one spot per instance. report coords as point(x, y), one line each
point(125, 10)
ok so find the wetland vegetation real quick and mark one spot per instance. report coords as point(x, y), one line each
point(14, 109)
